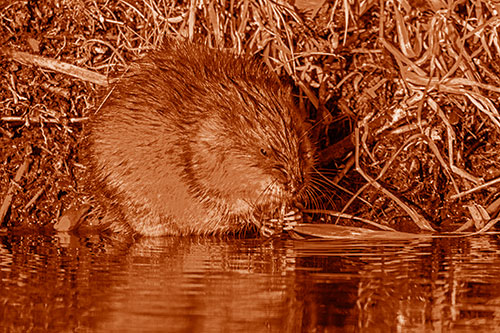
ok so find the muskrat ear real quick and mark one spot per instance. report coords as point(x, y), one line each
point(263, 152)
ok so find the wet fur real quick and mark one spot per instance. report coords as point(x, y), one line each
point(195, 141)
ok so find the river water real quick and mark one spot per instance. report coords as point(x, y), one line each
point(62, 283)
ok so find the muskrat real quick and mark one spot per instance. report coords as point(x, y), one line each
point(194, 140)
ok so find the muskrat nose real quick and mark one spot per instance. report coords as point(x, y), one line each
point(293, 187)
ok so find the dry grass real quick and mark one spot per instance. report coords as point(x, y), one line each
point(407, 91)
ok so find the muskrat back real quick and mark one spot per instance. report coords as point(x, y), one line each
point(197, 140)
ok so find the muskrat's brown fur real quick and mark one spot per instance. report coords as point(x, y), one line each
point(194, 141)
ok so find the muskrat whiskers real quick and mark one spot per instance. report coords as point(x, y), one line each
point(322, 195)
point(319, 193)
point(267, 192)
point(308, 197)
point(325, 171)
point(321, 184)
point(328, 181)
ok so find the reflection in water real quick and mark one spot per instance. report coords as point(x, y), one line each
point(228, 285)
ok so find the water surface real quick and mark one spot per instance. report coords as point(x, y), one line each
point(56, 283)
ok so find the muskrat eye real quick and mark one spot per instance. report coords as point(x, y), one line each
point(263, 152)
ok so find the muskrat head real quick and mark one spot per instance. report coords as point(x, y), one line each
point(253, 154)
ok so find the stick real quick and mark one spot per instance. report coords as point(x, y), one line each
point(10, 193)
point(58, 66)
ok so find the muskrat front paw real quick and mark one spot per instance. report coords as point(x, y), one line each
point(291, 219)
point(285, 222)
